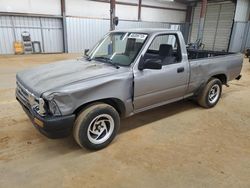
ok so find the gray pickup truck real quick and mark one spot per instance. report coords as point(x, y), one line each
point(126, 72)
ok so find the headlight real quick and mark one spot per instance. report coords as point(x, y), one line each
point(39, 106)
point(32, 99)
point(53, 108)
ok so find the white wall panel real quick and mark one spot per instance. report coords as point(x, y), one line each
point(131, 24)
point(101, 10)
point(242, 10)
point(51, 23)
point(84, 33)
point(52, 35)
point(89, 9)
point(48, 31)
point(50, 7)
point(237, 36)
point(247, 38)
point(224, 28)
point(53, 40)
point(165, 4)
point(6, 41)
point(210, 26)
point(217, 27)
point(240, 39)
point(26, 21)
point(5, 21)
point(35, 34)
point(126, 12)
point(162, 15)
point(195, 23)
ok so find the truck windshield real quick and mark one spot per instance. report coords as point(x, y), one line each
point(118, 48)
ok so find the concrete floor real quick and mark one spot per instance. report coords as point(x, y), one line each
point(177, 145)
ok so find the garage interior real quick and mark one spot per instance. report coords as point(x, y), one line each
point(176, 145)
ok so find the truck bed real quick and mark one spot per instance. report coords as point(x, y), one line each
point(204, 64)
point(199, 54)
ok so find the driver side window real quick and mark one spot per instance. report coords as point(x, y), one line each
point(164, 48)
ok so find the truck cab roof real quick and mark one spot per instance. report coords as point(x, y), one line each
point(148, 30)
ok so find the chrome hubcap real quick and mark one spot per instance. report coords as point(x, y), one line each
point(214, 93)
point(100, 129)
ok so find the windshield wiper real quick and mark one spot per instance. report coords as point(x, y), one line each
point(87, 57)
point(106, 60)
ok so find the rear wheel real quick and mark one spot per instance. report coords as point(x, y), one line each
point(210, 94)
point(96, 126)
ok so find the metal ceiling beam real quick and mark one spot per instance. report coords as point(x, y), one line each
point(143, 5)
point(202, 20)
point(139, 10)
point(63, 14)
point(193, 2)
point(187, 2)
point(112, 14)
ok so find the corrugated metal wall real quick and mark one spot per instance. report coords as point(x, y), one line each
point(247, 37)
point(131, 24)
point(83, 33)
point(48, 31)
point(224, 26)
point(240, 37)
point(218, 25)
point(52, 35)
point(6, 35)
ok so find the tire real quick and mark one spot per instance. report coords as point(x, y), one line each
point(207, 98)
point(96, 126)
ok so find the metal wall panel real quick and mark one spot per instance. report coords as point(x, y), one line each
point(6, 35)
point(6, 41)
point(83, 33)
point(48, 31)
point(247, 38)
point(53, 40)
point(217, 27)
point(210, 26)
point(195, 23)
point(52, 35)
point(237, 39)
point(242, 10)
point(224, 28)
point(26, 22)
point(133, 24)
point(35, 33)
point(5, 21)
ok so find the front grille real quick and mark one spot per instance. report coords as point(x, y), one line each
point(23, 92)
point(29, 100)
point(24, 95)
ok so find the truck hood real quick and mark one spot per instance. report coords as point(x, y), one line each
point(50, 76)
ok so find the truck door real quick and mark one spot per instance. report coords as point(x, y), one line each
point(155, 87)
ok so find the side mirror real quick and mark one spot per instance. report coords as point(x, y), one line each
point(150, 64)
point(86, 51)
point(115, 20)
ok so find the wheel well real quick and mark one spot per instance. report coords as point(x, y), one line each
point(114, 102)
point(221, 77)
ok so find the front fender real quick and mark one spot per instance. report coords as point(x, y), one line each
point(71, 97)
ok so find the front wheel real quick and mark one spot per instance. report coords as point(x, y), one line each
point(210, 94)
point(96, 126)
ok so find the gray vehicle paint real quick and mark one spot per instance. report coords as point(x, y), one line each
point(71, 84)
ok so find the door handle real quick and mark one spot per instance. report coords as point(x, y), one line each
point(180, 69)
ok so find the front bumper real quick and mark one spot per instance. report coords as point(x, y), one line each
point(52, 127)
